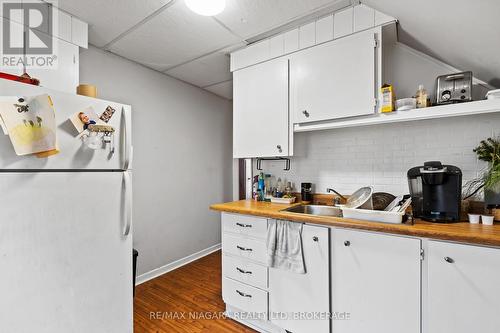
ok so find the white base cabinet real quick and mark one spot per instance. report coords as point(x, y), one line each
point(300, 303)
point(376, 281)
point(463, 288)
point(366, 281)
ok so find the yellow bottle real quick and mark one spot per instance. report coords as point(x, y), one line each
point(388, 98)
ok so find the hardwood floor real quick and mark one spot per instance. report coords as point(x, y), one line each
point(183, 300)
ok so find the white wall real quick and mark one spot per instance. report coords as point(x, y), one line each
point(380, 155)
point(182, 140)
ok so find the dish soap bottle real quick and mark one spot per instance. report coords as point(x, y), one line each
point(421, 97)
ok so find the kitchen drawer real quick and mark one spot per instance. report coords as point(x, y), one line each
point(245, 297)
point(244, 271)
point(245, 247)
point(244, 225)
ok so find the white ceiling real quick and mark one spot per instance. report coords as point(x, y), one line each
point(166, 36)
point(109, 18)
point(248, 18)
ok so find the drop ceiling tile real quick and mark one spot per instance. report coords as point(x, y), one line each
point(204, 71)
point(252, 17)
point(110, 18)
point(172, 37)
point(224, 89)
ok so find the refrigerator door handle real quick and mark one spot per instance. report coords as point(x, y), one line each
point(127, 142)
point(128, 203)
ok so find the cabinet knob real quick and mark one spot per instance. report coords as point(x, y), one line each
point(279, 148)
point(347, 243)
point(306, 113)
point(449, 260)
point(315, 238)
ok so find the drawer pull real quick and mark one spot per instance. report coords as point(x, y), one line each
point(242, 271)
point(347, 243)
point(243, 225)
point(243, 294)
point(449, 260)
point(243, 248)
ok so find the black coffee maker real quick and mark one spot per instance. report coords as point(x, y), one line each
point(436, 192)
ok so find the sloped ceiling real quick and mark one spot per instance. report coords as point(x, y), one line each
point(165, 36)
point(462, 33)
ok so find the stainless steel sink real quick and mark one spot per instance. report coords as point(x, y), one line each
point(315, 210)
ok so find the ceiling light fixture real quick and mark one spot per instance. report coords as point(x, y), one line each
point(206, 7)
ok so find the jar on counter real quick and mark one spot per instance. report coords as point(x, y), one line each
point(306, 192)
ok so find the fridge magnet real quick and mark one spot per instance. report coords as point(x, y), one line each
point(30, 123)
point(82, 119)
point(107, 114)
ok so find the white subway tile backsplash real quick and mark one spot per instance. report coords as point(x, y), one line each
point(380, 155)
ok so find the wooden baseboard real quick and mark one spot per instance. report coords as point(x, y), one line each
point(176, 264)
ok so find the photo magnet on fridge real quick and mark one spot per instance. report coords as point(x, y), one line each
point(82, 119)
point(107, 114)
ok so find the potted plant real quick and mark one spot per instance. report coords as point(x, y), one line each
point(488, 151)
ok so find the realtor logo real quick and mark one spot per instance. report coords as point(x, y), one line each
point(27, 34)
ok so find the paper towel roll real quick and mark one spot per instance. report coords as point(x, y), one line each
point(87, 90)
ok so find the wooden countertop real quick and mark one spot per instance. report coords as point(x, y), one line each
point(460, 232)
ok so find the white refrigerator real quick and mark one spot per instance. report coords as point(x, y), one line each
point(66, 228)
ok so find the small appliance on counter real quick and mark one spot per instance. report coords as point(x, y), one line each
point(454, 88)
point(436, 192)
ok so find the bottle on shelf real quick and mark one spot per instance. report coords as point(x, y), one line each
point(422, 97)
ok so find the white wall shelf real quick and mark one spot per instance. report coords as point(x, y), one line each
point(434, 112)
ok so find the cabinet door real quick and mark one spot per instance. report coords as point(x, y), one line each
point(334, 80)
point(303, 295)
point(376, 281)
point(260, 110)
point(463, 288)
point(65, 76)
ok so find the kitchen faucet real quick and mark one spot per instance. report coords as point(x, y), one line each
point(336, 200)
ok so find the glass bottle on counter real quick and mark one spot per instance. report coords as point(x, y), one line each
point(279, 188)
point(288, 190)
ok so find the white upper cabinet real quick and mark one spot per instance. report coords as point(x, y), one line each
point(343, 23)
point(376, 279)
point(260, 110)
point(463, 288)
point(334, 80)
point(250, 55)
point(336, 25)
point(364, 18)
point(307, 35)
point(63, 30)
point(324, 29)
point(65, 77)
point(293, 294)
point(79, 32)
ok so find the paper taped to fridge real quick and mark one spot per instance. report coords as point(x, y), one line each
point(30, 123)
